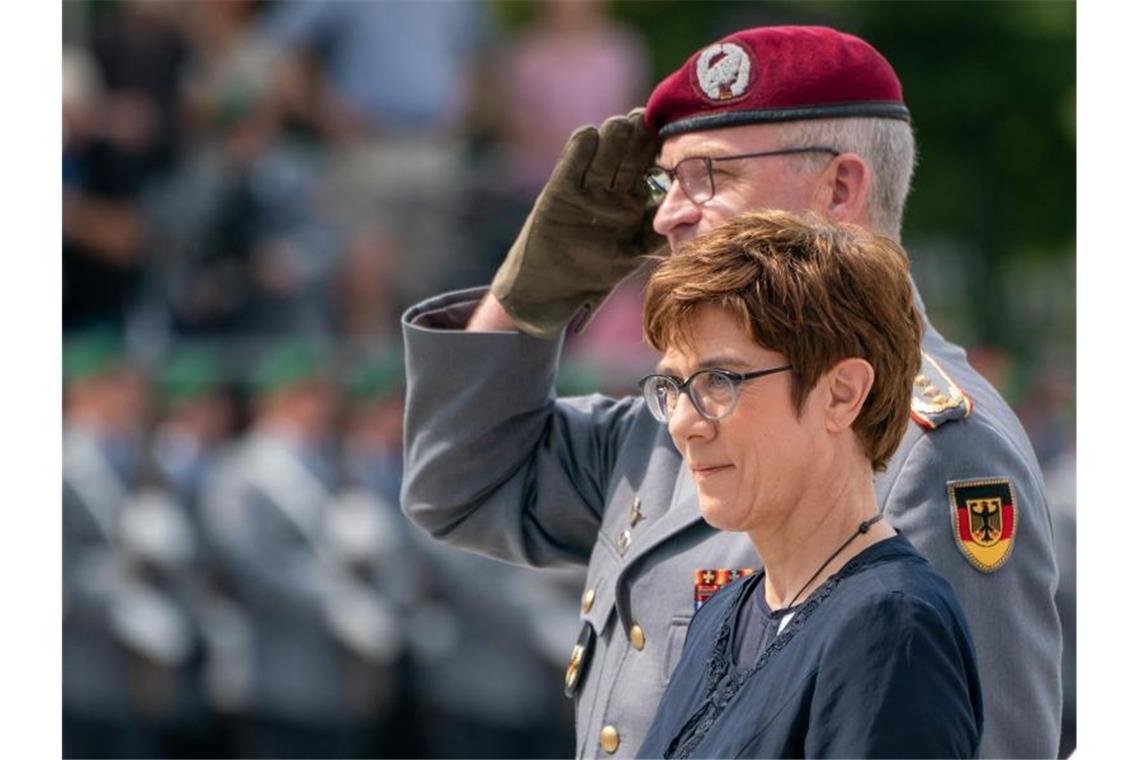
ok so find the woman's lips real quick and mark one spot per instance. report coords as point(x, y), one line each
point(707, 471)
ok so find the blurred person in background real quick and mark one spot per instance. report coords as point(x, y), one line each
point(321, 637)
point(797, 118)
point(386, 87)
point(102, 229)
point(371, 531)
point(103, 459)
point(374, 425)
point(193, 422)
point(367, 287)
point(488, 642)
point(574, 65)
point(141, 51)
point(242, 240)
point(129, 137)
point(472, 689)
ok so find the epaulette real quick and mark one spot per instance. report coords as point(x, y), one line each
point(937, 398)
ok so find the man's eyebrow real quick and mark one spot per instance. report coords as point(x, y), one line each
point(706, 150)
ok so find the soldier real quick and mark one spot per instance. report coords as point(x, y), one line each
point(480, 662)
point(799, 118)
point(194, 419)
point(111, 622)
point(371, 537)
point(310, 616)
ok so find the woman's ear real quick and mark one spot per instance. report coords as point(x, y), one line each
point(848, 384)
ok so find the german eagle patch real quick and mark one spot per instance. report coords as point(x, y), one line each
point(983, 517)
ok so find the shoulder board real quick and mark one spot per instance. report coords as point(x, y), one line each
point(937, 398)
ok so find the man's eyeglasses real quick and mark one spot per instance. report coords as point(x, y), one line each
point(696, 175)
point(712, 391)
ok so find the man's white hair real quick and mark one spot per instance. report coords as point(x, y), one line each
point(886, 145)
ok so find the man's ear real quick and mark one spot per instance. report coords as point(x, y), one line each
point(846, 189)
point(848, 384)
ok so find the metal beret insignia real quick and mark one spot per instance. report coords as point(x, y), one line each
point(723, 71)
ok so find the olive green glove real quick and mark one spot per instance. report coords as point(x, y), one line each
point(590, 227)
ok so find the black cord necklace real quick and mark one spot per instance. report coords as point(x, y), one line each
point(863, 528)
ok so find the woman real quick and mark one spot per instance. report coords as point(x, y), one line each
point(789, 350)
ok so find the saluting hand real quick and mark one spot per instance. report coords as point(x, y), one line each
point(590, 227)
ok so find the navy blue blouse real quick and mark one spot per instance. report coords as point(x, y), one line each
point(877, 662)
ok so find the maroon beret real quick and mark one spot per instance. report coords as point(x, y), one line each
point(773, 74)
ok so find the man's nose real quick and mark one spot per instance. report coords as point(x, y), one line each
point(675, 211)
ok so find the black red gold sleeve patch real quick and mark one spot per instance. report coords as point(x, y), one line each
point(983, 518)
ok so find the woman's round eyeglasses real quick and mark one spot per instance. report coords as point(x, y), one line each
point(712, 391)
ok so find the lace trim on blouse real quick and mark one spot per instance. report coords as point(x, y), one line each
point(723, 681)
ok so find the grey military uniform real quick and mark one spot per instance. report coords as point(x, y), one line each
point(267, 513)
point(94, 573)
point(495, 464)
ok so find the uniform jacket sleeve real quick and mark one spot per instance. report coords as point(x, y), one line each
point(898, 681)
point(493, 462)
point(1011, 611)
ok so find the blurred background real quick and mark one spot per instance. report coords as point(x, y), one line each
point(252, 194)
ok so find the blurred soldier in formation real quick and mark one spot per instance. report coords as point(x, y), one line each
point(489, 643)
point(112, 623)
point(320, 638)
point(371, 534)
point(374, 425)
point(194, 417)
point(487, 639)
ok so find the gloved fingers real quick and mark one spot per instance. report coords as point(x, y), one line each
point(643, 243)
point(576, 158)
point(613, 145)
point(649, 240)
point(642, 152)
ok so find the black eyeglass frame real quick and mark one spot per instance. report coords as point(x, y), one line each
point(658, 193)
point(685, 386)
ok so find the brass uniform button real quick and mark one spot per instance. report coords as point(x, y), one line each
point(588, 600)
point(609, 739)
point(637, 637)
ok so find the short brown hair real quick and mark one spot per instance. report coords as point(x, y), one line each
point(816, 292)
